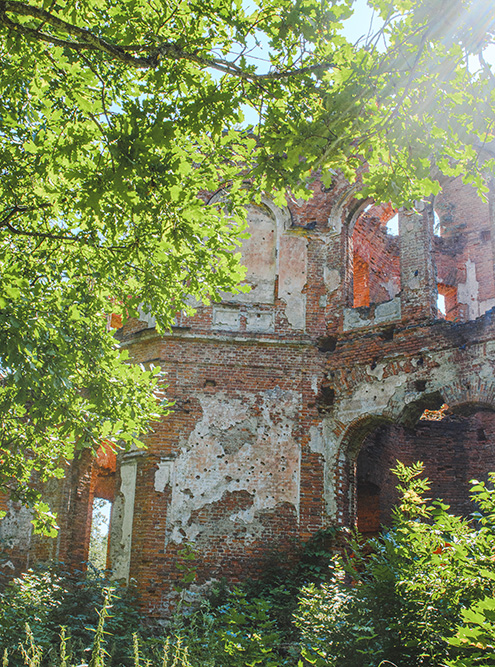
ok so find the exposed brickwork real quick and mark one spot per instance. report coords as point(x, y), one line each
point(455, 450)
point(291, 406)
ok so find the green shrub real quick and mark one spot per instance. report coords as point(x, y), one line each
point(48, 597)
point(403, 601)
point(281, 582)
point(240, 632)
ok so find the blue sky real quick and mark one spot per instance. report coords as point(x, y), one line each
point(359, 24)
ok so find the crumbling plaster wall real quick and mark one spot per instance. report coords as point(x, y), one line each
point(242, 443)
point(262, 446)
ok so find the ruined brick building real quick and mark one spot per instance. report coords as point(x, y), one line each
point(357, 345)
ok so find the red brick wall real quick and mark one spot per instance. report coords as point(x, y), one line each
point(376, 274)
point(454, 451)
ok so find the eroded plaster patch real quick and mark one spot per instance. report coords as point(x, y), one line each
point(259, 257)
point(467, 293)
point(122, 520)
point(322, 441)
point(242, 443)
point(331, 278)
point(163, 475)
point(292, 278)
point(16, 527)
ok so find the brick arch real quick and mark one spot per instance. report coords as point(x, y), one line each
point(347, 209)
point(460, 448)
point(471, 391)
point(345, 468)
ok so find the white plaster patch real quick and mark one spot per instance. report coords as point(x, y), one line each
point(467, 293)
point(322, 441)
point(292, 278)
point(377, 372)
point(266, 465)
point(163, 475)
point(486, 305)
point(391, 287)
point(388, 311)
point(16, 527)
point(260, 321)
point(259, 257)
point(370, 398)
point(316, 443)
point(226, 319)
point(122, 520)
point(353, 319)
point(331, 278)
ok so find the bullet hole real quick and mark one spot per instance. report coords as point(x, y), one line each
point(373, 364)
point(481, 435)
point(210, 383)
point(420, 385)
point(416, 273)
point(188, 492)
point(327, 344)
point(228, 478)
point(388, 333)
point(198, 476)
point(420, 361)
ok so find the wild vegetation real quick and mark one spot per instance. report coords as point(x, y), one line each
point(421, 594)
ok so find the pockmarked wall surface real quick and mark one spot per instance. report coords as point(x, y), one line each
point(367, 336)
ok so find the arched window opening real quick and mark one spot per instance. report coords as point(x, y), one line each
point(100, 507)
point(375, 256)
point(100, 532)
point(455, 446)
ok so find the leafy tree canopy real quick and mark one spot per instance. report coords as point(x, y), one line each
point(115, 115)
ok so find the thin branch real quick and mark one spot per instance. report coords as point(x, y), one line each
point(90, 40)
point(5, 222)
point(168, 50)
